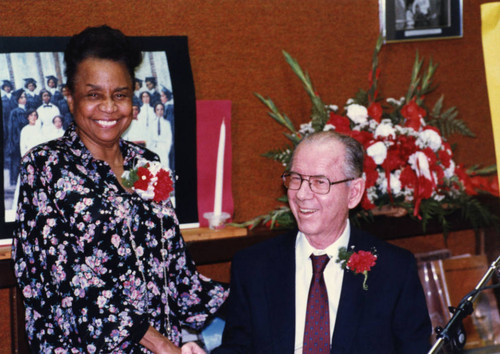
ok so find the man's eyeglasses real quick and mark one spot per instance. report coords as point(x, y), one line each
point(318, 184)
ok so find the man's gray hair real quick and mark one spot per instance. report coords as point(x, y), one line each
point(354, 152)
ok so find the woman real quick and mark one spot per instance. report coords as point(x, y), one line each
point(161, 135)
point(17, 121)
point(101, 268)
point(30, 135)
point(141, 127)
point(55, 130)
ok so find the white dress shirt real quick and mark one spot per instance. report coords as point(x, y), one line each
point(333, 275)
point(46, 112)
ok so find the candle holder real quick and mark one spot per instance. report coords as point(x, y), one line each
point(216, 221)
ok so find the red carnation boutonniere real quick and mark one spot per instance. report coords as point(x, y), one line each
point(360, 262)
point(150, 180)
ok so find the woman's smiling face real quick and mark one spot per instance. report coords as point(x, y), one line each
point(101, 102)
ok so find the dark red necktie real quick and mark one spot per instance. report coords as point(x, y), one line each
point(317, 328)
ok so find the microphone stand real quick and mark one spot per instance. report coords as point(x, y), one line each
point(454, 332)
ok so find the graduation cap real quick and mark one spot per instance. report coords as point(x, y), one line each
point(17, 94)
point(7, 83)
point(29, 81)
point(151, 79)
point(53, 78)
point(139, 81)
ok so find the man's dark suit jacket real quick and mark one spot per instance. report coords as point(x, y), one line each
point(390, 317)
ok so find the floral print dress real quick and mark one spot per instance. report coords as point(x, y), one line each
point(97, 265)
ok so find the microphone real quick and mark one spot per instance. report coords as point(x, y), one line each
point(454, 332)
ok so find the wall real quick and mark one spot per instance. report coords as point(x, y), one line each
point(235, 49)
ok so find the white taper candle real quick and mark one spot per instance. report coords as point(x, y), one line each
point(219, 177)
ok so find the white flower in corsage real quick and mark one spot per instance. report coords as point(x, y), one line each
point(360, 262)
point(150, 180)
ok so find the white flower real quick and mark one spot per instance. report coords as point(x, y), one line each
point(372, 125)
point(385, 129)
point(450, 171)
point(419, 163)
point(429, 138)
point(333, 107)
point(306, 129)
point(371, 193)
point(378, 152)
point(395, 101)
point(395, 183)
point(328, 127)
point(357, 113)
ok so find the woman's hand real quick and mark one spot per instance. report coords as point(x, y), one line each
point(159, 344)
point(191, 348)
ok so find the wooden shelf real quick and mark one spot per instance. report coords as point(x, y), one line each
point(205, 233)
point(5, 252)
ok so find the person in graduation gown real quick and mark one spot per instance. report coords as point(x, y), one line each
point(7, 105)
point(272, 306)
point(151, 84)
point(166, 98)
point(64, 108)
point(17, 121)
point(33, 99)
point(137, 91)
point(56, 95)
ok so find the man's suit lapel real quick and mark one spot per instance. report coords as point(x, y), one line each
point(281, 294)
point(351, 305)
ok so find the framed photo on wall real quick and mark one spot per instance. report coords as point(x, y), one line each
point(164, 93)
point(410, 20)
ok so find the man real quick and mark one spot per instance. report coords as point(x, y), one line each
point(268, 307)
point(46, 113)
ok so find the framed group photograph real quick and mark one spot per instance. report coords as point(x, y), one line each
point(410, 20)
point(32, 75)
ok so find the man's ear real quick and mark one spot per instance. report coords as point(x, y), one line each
point(356, 190)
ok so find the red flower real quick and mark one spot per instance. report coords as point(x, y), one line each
point(341, 123)
point(163, 186)
point(363, 137)
point(445, 158)
point(144, 178)
point(413, 114)
point(366, 204)
point(370, 169)
point(375, 111)
point(361, 261)
point(466, 180)
point(408, 177)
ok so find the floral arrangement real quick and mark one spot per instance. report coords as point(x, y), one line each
point(409, 164)
point(360, 262)
point(150, 180)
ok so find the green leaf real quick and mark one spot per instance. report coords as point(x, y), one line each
point(276, 114)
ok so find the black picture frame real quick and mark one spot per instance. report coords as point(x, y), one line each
point(183, 91)
point(402, 20)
